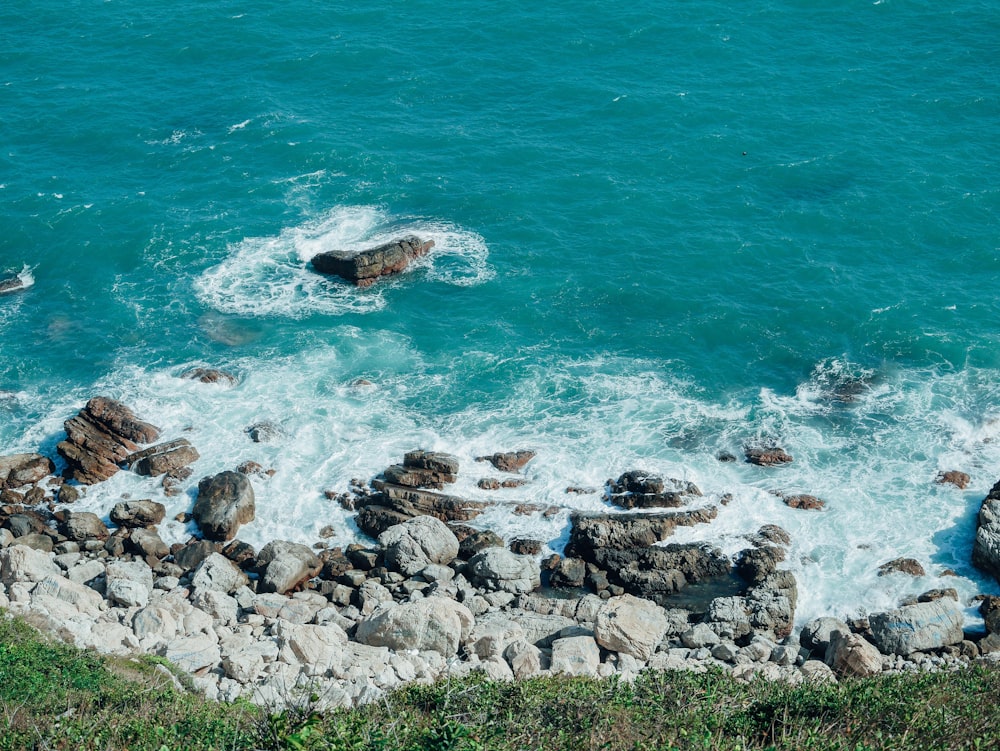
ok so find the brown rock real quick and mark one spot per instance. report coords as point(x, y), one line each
point(80, 526)
point(366, 267)
point(851, 654)
point(902, 565)
point(959, 479)
point(509, 461)
point(767, 457)
point(393, 504)
point(521, 546)
point(133, 514)
point(210, 375)
point(101, 436)
point(163, 458)
point(489, 483)
point(17, 470)
point(225, 502)
point(803, 501)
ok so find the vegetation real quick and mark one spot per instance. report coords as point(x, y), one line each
point(55, 697)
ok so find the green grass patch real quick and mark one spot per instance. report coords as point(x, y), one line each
point(55, 697)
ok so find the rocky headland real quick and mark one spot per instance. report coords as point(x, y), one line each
point(432, 594)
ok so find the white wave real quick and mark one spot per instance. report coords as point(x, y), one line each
point(271, 276)
point(238, 126)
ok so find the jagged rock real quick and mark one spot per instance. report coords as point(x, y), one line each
point(163, 458)
point(101, 436)
point(436, 624)
point(638, 489)
point(80, 526)
point(189, 556)
point(936, 594)
point(394, 504)
point(850, 654)
point(767, 457)
point(128, 583)
point(19, 563)
point(498, 569)
point(17, 470)
point(138, 513)
point(569, 573)
point(225, 502)
point(416, 543)
point(804, 502)
point(364, 268)
point(478, 541)
point(210, 375)
point(523, 546)
point(147, 543)
point(953, 477)
point(989, 608)
point(318, 649)
point(630, 625)
point(590, 533)
point(11, 284)
point(656, 572)
point(902, 565)
point(286, 565)
point(816, 635)
point(509, 461)
point(986, 549)
point(770, 534)
point(917, 628)
point(575, 655)
point(756, 564)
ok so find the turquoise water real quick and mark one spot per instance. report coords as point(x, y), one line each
point(662, 233)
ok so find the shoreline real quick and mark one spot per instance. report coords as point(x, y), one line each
point(435, 597)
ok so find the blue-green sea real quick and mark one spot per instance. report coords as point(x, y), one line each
point(663, 231)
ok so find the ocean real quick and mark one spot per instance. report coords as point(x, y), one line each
point(663, 232)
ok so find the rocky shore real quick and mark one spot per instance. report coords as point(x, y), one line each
point(432, 595)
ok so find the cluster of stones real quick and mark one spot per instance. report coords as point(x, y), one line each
point(366, 267)
point(435, 597)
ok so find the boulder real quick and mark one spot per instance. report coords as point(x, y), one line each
point(639, 489)
point(436, 624)
point(509, 461)
point(210, 375)
point(286, 565)
point(163, 458)
point(816, 635)
point(225, 502)
point(394, 504)
point(318, 649)
point(263, 432)
point(364, 268)
point(100, 437)
point(851, 655)
point(590, 533)
point(19, 563)
point(803, 501)
point(128, 583)
point(80, 526)
point(917, 628)
point(767, 456)
point(17, 470)
point(478, 541)
point(219, 574)
point(524, 658)
point(756, 564)
point(189, 556)
point(413, 545)
point(137, 513)
point(498, 569)
point(909, 566)
point(953, 477)
point(13, 283)
point(986, 548)
point(630, 625)
point(575, 655)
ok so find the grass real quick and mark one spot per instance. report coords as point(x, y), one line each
point(56, 697)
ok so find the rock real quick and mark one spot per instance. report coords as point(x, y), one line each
point(219, 574)
point(163, 458)
point(492, 634)
point(638, 489)
point(524, 658)
point(19, 563)
point(986, 548)
point(575, 655)
point(479, 541)
point(37, 541)
point(318, 649)
point(210, 375)
point(816, 635)
point(816, 671)
point(656, 572)
point(569, 573)
point(756, 564)
point(128, 583)
point(364, 268)
point(138, 513)
point(523, 546)
point(902, 565)
point(413, 545)
point(12, 283)
point(804, 502)
point(496, 569)
point(989, 608)
point(509, 461)
point(80, 526)
point(69, 494)
point(101, 436)
point(286, 565)
point(770, 534)
point(192, 653)
point(263, 432)
point(225, 502)
point(394, 504)
point(593, 532)
point(917, 628)
point(18, 470)
point(86, 600)
point(189, 556)
point(630, 625)
point(435, 624)
point(851, 655)
point(936, 594)
point(146, 543)
point(767, 457)
point(959, 479)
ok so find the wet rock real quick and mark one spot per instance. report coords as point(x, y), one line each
point(69, 494)
point(100, 437)
point(953, 477)
point(591, 533)
point(394, 504)
point(986, 548)
point(903, 566)
point(143, 513)
point(756, 564)
point(523, 546)
point(639, 489)
point(263, 432)
point(509, 461)
point(11, 284)
point(767, 457)
point(936, 594)
point(162, 458)
point(210, 375)
point(657, 572)
point(770, 534)
point(364, 268)
point(189, 556)
point(416, 543)
point(225, 502)
point(18, 470)
point(803, 501)
point(917, 628)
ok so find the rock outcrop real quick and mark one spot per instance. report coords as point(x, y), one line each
point(101, 437)
point(638, 489)
point(225, 502)
point(366, 267)
point(18, 470)
point(986, 548)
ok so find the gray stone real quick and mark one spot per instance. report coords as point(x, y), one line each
point(225, 502)
point(80, 526)
point(417, 543)
point(920, 627)
point(630, 625)
point(286, 565)
point(851, 655)
point(575, 655)
point(19, 563)
point(434, 623)
point(218, 573)
point(500, 569)
point(138, 513)
point(129, 583)
point(815, 635)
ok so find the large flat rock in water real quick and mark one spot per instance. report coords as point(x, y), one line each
point(364, 268)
